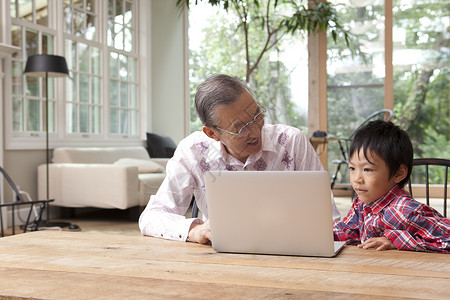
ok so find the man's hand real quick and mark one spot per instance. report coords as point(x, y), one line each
point(200, 233)
point(381, 243)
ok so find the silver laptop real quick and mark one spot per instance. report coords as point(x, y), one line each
point(271, 212)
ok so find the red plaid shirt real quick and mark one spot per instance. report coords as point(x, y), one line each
point(407, 223)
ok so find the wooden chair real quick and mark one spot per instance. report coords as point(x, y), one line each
point(344, 143)
point(21, 202)
point(427, 162)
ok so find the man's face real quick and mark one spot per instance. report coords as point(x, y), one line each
point(233, 118)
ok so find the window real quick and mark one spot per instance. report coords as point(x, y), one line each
point(360, 81)
point(123, 87)
point(100, 98)
point(83, 89)
point(280, 80)
point(123, 94)
point(357, 85)
point(421, 64)
point(421, 74)
point(80, 18)
point(28, 94)
point(120, 25)
point(30, 10)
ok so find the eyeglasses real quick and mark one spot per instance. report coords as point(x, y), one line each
point(258, 118)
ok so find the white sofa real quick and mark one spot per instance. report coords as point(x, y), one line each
point(109, 177)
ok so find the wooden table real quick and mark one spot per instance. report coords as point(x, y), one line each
point(83, 265)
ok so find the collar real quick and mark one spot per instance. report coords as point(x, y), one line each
point(268, 145)
point(381, 203)
point(217, 150)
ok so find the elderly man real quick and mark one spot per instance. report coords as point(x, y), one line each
point(234, 138)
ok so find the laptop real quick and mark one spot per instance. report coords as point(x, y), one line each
point(271, 212)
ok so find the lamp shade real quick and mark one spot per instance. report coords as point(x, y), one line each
point(40, 64)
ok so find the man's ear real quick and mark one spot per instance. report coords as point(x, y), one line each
point(402, 172)
point(211, 133)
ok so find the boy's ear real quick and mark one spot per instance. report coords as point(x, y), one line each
point(402, 172)
point(211, 133)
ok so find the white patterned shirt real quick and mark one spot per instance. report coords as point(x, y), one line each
point(283, 148)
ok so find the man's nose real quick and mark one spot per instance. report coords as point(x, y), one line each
point(255, 128)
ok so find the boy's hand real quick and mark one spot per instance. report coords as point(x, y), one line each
point(381, 243)
point(200, 233)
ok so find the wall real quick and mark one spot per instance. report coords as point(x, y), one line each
point(21, 166)
point(168, 77)
point(163, 53)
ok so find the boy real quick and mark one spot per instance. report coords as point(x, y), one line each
point(385, 216)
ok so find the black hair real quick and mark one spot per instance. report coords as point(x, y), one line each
point(389, 142)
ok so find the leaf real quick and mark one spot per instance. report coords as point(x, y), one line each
point(291, 17)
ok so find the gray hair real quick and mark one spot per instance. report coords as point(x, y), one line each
point(216, 90)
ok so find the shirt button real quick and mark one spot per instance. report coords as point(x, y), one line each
point(162, 235)
point(179, 236)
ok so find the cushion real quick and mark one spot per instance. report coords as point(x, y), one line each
point(97, 155)
point(160, 146)
point(148, 185)
point(144, 166)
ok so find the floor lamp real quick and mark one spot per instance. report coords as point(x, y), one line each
point(44, 65)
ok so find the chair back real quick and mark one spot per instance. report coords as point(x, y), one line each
point(21, 202)
point(11, 183)
point(427, 162)
point(382, 114)
point(2, 204)
point(344, 144)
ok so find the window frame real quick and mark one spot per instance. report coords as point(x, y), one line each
point(61, 136)
point(317, 47)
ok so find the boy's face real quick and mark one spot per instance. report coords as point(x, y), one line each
point(370, 180)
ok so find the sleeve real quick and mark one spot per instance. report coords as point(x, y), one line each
point(306, 156)
point(425, 230)
point(348, 229)
point(307, 159)
point(164, 215)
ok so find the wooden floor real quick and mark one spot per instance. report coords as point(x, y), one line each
point(96, 220)
point(119, 222)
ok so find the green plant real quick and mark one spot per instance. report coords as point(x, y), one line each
point(276, 19)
